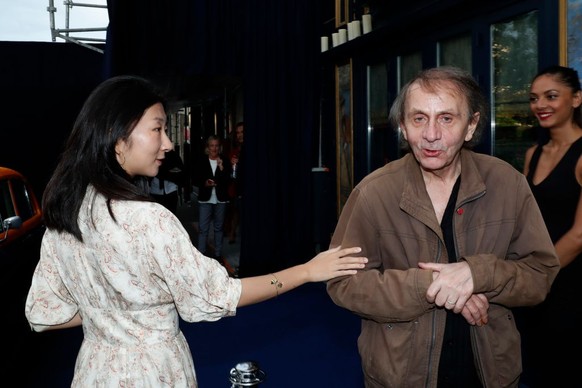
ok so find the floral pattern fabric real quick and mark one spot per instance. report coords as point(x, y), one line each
point(130, 280)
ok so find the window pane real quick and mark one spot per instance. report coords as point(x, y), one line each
point(515, 59)
point(6, 205)
point(409, 66)
point(379, 133)
point(574, 40)
point(456, 52)
point(22, 199)
point(344, 160)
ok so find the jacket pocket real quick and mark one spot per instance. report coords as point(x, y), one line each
point(498, 348)
point(386, 351)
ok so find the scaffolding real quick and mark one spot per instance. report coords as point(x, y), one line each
point(74, 35)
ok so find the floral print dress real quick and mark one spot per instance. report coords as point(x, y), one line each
point(130, 281)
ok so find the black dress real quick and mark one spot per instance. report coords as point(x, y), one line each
point(552, 334)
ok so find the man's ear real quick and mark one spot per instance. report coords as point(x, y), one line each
point(402, 130)
point(472, 126)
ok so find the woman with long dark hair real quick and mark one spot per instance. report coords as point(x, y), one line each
point(121, 265)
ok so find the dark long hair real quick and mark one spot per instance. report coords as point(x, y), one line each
point(109, 114)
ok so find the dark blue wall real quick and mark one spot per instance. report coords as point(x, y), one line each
point(43, 86)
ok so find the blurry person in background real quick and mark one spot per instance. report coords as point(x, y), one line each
point(236, 186)
point(212, 176)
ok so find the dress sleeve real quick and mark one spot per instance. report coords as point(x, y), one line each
point(199, 285)
point(48, 302)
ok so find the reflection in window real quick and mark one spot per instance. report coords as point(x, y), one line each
point(573, 38)
point(6, 205)
point(408, 66)
point(22, 198)
point(456, 51)
point(380, 135)
point(345, 163)
point(515, 58)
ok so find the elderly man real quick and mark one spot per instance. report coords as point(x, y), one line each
point(454, 239)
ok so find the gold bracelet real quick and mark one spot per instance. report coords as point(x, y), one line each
point(276, 283)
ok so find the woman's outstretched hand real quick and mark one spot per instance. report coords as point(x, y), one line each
point(333, 263)
point(326, 265)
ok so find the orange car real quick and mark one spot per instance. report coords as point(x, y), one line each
point(21, 231)
point(20, 212)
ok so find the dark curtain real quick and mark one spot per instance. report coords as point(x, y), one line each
point(175, 41)
point(281, 128)
point(274, 47)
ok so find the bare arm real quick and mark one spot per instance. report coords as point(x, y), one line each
point(326, 265)
point(570, 244)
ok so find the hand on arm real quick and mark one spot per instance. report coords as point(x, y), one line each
point(326, 265)
point(452, 285)
point(475, 310)
point(452, 288)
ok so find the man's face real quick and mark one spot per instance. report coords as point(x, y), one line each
point(240, 134)
point(436, 125)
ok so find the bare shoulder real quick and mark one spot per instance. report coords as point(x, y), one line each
point(528, 154)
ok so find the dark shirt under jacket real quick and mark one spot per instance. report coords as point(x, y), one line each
point(457, 365)
point(203, 172)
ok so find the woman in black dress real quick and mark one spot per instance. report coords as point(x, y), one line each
point(550, 332)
